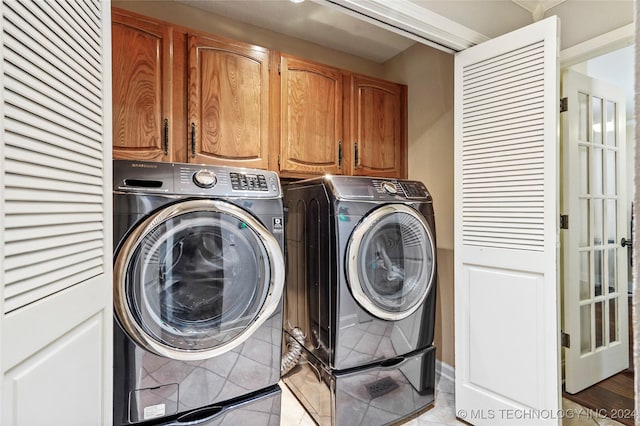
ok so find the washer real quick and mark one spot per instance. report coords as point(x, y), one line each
point(198, 283)
point(361, 287)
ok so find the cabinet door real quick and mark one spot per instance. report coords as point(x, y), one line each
point(141, 65)
point(311, 117)
point(378, 127)
point(228, 103)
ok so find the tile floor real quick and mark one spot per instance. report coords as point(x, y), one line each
point(443, 412)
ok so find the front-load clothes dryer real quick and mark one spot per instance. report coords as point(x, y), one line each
point(360, 297)
point(198, 283)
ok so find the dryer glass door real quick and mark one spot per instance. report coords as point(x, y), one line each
point(390, 261)
point(196, 279)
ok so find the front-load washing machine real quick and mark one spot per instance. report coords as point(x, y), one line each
point(198, 283)
point(360, 297)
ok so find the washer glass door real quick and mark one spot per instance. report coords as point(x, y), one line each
point(196, 279)
point(390, 261)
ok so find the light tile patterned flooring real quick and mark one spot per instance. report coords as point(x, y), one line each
point(443, 412)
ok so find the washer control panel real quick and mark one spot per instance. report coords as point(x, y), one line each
point(195, 179)
point(248, 182)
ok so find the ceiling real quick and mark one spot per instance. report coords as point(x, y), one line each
point(377, 30)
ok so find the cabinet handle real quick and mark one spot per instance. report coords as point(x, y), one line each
point(339, 154)
point(356, 156)
point(193, 139)
point(166, 136)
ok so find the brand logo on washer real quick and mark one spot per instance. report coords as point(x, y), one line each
point(277, 224)
point(144, 166)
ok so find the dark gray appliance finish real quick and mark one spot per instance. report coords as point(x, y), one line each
point(262, 408)
point(198, 282)
point(361, 285)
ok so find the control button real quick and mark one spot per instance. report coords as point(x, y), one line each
point(389, 188)
point(204, 178)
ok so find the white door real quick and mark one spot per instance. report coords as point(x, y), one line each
point(594, 261)
point(55, 213)
point(506, 229)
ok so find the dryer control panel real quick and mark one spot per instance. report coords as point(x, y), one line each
point(377, 189)
point(194, 179)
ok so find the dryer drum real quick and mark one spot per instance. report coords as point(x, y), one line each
point(390, 262)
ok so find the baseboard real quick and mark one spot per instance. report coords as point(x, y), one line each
point(445, 371)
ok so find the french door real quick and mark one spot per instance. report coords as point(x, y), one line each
point(594, 258)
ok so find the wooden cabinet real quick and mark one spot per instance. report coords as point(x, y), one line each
point(228, 103)
point(142, 87)
point(377, 127)
point(311, 117)
point(186, 96)
point(337, 122)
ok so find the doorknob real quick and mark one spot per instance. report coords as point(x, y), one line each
point(626, 243)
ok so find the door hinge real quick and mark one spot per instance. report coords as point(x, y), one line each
point(565, 340)
point(564, 104)
point(339, 154)
point(564, 221)
point(278, 162)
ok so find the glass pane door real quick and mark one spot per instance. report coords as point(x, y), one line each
point(594, 262)
point(598, 149)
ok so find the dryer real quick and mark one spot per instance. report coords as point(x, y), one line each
point(198, 283)
point(361, 286)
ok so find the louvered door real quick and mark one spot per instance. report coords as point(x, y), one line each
point(56, 212)
point(506, 154)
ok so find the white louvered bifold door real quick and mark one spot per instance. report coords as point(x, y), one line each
point(56, 212)
point(506, 214)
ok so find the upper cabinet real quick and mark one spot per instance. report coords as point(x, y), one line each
point(378, 127)
point(189, 98)
point(228, 103)
point(311, 117)
point(186, 96)
point(142, 88)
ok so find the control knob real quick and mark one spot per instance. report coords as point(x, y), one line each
point(205, 178)
point(389, 188)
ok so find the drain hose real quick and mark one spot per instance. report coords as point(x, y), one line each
point(291, 358)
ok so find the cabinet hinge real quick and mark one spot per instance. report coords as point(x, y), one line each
point(278, 162)
point(565, 340)
point(339, 154)
point(564, 221)
point(564, 104)
point(279, 70)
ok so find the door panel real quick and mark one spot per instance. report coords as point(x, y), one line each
point(378, 133)
point(594, 261)
point(311, 102)
point(507, 340)
point(142, 96)
point(228, 103)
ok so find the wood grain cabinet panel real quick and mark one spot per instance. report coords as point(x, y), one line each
point(228, 102)
point(311, 117)
point(378, 127)
point(141, 66)
point(187, 96)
